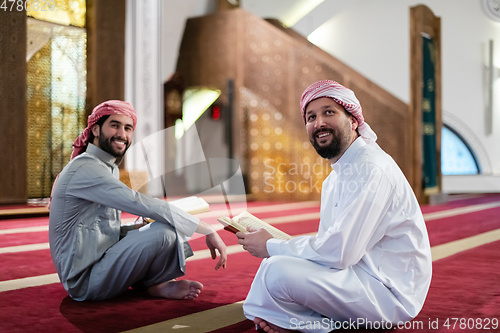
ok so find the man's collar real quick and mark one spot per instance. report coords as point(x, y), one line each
point(349, 153)
point(101, 154)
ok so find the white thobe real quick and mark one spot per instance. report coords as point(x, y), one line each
point(370, 261)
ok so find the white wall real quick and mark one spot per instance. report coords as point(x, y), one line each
point(174, 14)
point(142, 85)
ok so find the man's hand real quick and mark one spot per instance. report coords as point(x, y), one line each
point(215, 242)
point(255, 242)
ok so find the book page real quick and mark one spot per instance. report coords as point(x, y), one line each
point(245, 219)
point(192, 205)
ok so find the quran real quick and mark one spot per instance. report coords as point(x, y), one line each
point(192, 205)
point(245, 219)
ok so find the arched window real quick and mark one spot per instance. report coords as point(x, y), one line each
point(456, 156)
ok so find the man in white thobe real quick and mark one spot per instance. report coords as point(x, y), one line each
point(370, 263)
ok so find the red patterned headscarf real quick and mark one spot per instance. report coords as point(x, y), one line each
point(341, 95)
point(104, 109)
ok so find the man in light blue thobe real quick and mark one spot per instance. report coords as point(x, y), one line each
point(84, 230)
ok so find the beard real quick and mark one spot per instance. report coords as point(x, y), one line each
point(106, 145)
point(334, 148)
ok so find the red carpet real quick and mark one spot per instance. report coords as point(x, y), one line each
point(25, 264)
point(464, 285)
point(50, 304)
point(457, 227)
point(473, 199)
point(14, 239)
point(24, 222)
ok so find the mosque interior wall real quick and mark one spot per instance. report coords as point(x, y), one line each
point(271, 68)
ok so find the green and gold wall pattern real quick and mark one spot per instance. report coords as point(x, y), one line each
point(56, 90)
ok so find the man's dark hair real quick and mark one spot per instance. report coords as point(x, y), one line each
point(100, 122)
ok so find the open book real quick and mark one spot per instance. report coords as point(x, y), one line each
point(245, 219)
point(192, 205)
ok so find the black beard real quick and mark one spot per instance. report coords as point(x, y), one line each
point(105, 144)
point(331, 150)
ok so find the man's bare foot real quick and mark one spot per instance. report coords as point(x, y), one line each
point(182, 289)
point(268, 327)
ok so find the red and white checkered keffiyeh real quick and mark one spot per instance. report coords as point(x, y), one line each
point(343, 96)
point(104, 109)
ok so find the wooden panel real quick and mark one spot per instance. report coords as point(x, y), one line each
point(392, 127)
point(13, 140)
point(105, 51)
point(423, 20)
point(272, 65)
point(207, 55)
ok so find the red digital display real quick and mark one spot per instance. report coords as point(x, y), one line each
point(215, 112)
